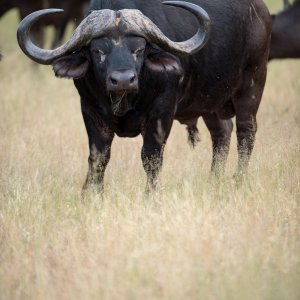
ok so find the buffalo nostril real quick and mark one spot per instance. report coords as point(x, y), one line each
point(114, 81)
point(122, 80)
point(132, 79)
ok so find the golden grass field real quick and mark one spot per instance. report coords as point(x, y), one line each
point(191, 241)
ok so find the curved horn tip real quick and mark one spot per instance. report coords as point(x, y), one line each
point(204, 20)
point(23, 38)
point(49, 10)
point(45, 11)
point(33, 17)
point(188, 6)
point(39, 14)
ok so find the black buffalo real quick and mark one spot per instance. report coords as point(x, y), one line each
point(285, 41)
point(133, 79)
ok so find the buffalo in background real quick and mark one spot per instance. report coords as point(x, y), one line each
point(285, 41)
point(25, 8)
point(73, 11)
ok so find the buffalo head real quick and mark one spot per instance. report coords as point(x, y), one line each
point(115, 45)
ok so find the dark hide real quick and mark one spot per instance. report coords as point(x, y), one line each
point(285, 41)
point(225, 79)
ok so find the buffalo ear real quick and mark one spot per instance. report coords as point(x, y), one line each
point(71, 66)
point(161, 61)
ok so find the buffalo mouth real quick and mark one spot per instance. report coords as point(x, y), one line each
point(120, 103)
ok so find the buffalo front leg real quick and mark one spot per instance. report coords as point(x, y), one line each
point(155, 138)
point(220, 131)
point(246, 130)
point(100, 140)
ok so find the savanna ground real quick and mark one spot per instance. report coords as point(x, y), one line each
point(191, 241)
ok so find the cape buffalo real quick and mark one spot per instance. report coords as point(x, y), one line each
point(137, 67)
point(285, 41)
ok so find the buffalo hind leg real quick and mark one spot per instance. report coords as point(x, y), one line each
point(100, 140)
point(246, 131)
point(248, 97)
point(220, 131)
point(193, 132)
point(246, 107)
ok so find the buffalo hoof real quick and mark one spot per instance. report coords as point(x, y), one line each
point(90, 191)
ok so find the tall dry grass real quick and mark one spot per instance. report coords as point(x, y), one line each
point(192, 241)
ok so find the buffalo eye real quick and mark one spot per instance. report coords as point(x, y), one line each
point(101, 54)
point(137, 52)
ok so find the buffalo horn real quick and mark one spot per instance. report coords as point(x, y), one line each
point(82, 35)
point(97, 23)
point(141, 25)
